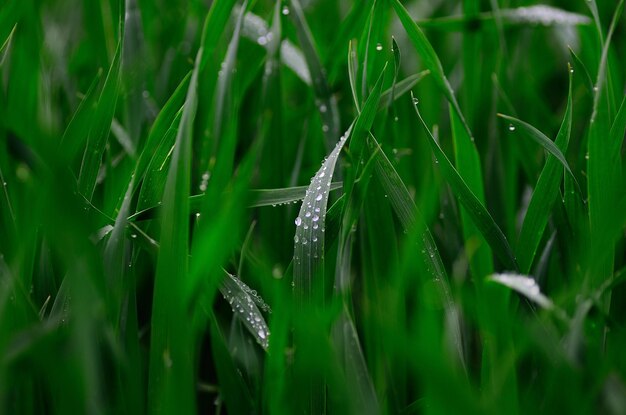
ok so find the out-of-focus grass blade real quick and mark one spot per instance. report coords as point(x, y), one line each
point(481, 217)
point(544, 195)
point(256, 29)
point(77, 131)
point(171, 372)
point(540, 14)
point(245, 304)
point(524, 285)
point(411, 220)
point(541, 139)
point(353, 71)
point(325, 101)
point(400, 88)
point(429, 57)
point(101, 125)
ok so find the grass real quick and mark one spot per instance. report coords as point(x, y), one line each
point(312, 207)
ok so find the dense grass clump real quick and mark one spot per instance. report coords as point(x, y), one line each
point(312, 206)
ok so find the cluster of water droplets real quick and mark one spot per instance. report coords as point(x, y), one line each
point(246, 303)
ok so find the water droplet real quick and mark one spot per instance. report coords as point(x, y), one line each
point(315, 239)
point(323, 108)
point(298, 221)
point(261, 334)
point(319, 197)
point(315, 226)
point(134, 236)
point(262, 40)
point(587, 156)
point(395, 118)
point(307, 215)
point(304, 241)
point(379, 47)
point(511, 127)
point(306, 226)
point(571, 70)
point(325, 128)
point(415, 101)
point(285, 10)
point(316, 218)
point(317, 210)
point(322, 174)
point(595, 88)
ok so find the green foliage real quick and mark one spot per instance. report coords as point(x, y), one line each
point(184, 228)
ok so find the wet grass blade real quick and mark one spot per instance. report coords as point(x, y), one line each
point(475, 209)
point(245, 304)
point(544, 195)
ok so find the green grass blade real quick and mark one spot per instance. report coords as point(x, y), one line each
point(171, 373)
point(326, 103)
point(468, 165)
point(481, 217)
point(99, 132)
point(411, 220)
point(245, 304)
point(544, 195)
point(429, 57)
point(541, 139)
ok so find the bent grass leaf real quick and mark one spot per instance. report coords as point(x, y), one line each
point(475, 209)
point(541, 139)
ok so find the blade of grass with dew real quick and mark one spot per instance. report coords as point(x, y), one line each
point(171, 373)
point(602, 171)
point(310, 223)
point(481, 217)
point(411, 220)
point(541, 139)
point(326, 103)
point(371, 59)
point(544, 194)
point(101, 125)
point(245, 304)
point(429, 57)
point(469, 168)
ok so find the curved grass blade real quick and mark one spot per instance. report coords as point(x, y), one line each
point(524, 285)
point(429, 58)
point(481, 217)
point(411, 220)
point(257, 198)
point(245, 304)
point(541, 139)
point(544, 195)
